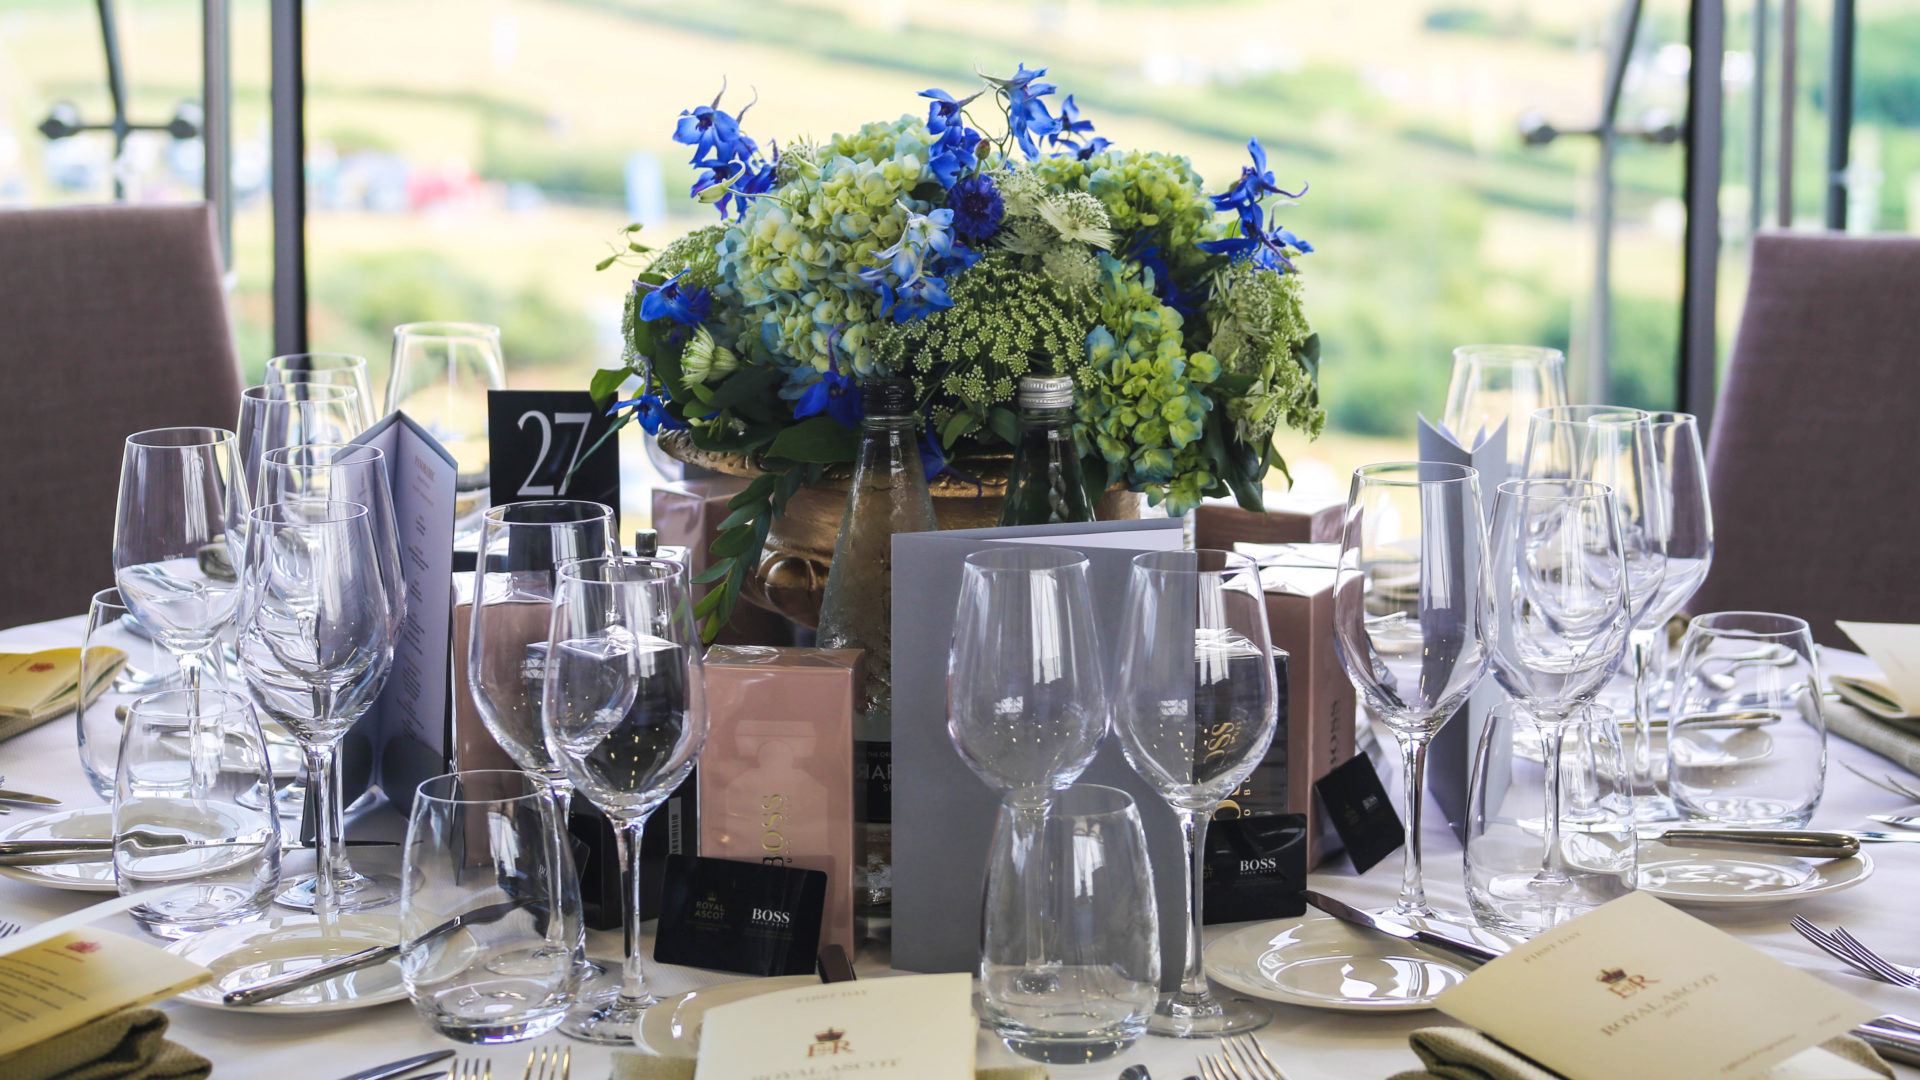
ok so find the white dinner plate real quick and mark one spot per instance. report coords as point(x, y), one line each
point(254, 952)
point(1716, 876)
point(1323, 963)
point(89, 823)
point(672, 1028)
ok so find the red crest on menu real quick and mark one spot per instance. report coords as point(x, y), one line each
point(41, 665)
point(84, 947)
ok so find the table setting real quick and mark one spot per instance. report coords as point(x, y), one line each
point(382, 758)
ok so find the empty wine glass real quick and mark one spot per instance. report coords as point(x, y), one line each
point(316, 644)
point(335, 369)
point(440, 376)
point(1561, 616)
point(624, 710)
point(178, 535)
point(293, 414)
point(1411, 615)
point(1195, 704)
point(490, 913)
point(147, 668)
point(1495, 384)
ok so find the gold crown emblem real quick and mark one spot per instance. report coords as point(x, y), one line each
point(1613, 976)
point(832, 1034)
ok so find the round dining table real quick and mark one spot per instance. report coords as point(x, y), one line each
point(1307, 1043)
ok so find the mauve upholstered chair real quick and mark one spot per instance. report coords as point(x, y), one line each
point(112, 321)
point(1815, 449)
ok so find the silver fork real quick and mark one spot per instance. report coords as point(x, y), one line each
point(1238, 1051)
point(1886, 784)
point(470, 1069)
point(1846, 948)
point(549, 1063)
point(8, 929)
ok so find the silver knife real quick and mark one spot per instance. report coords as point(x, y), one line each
point(1473, 951)
point(365, 958)
point(399, 1068)
point(100, 849)
point(27, 797)
point(1806, 843)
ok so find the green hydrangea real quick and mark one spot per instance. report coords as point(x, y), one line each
point(792, 262)
point(1143, 403)
point(1004, 323)
point(1159, 194)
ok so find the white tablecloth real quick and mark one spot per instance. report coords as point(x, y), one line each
point(1310, 1044)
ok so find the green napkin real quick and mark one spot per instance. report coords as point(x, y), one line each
point(629, 1065)
point(1452, 1053)
point(128, 1045)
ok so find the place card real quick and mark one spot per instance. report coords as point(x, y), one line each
point(1639, 988)
point(1362, 813)
point(1895, 649)
point(913, 1026)
point(751, 918)
point(52, 986)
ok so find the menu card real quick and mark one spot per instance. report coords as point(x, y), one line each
point(1895, 648)
point(53, 986)
point(1638, 988)
point(38, 686)
point(915, 1027)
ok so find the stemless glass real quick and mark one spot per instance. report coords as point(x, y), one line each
point(148, 668)
point(441, 374)
point(315, 645)
point(1746, 731)
point(293, 414)
point(193, 806)
point(1412, 614)
point(334, 369)
point(1561, 618)
point(1096, 925)
point(1195, 704)
point(1507, 819)
point(1495, 384)
point(178, 534)
point(624, 709)
point(490, 908)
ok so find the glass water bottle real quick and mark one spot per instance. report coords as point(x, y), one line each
point(1044, 486)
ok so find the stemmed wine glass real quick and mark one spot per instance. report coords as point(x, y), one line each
point(336, 369)
point(1026, 696)
point(1195, 704)
point(440, 375)
point(293, 414)
point(300, 476)
point(1412, 614)
point(1561, 617)
point(1615, 446)
point(625, 712)
point(316, 643)
point(522, 547)
point(1495, 384)
point(178, 533)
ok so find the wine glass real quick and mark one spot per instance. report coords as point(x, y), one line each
point(1561, 617)
point(293, 414)
point(1615, 446)
point(625, 712)
point(178, 536)
point(336, 369)
point(316, 644)
point(1195, 704)
point(1495, 384)
point(522, 546)
point(1683, 484)
point(441, 374)
point(1411, 615)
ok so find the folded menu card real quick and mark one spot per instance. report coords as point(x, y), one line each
point(53, 986)
point(1895, 648)
point(914, 1027)
point(36, 687)
point(1638, 988)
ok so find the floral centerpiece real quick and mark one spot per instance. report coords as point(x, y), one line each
point(932, 249)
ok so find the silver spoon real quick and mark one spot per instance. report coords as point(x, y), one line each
point(1898, 821)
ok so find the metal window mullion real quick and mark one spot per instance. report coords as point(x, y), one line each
point(1699, 334)
point(1839, 112)
point(216, 123)
point(289, 179)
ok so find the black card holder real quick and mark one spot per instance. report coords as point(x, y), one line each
point(750, 918)
point(1357, 803)
point(1256, 868)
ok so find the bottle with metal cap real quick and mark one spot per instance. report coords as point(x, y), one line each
point(889, 495)
point(1044, 486)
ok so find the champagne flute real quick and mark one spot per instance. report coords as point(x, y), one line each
point(1411, 615)
point(1561, 617)
point(624, 710)
point(335, 369)
point(440, 375)
point(178, 533)
point(1495, 384)
point(293, 414)
point(315, 645)
point(1195, 704)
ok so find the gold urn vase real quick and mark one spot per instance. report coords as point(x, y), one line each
point(792, 575)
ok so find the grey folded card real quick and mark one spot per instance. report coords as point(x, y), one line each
point(943, 814)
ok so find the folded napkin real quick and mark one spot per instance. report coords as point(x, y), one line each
point(1454, 1053)
point(128, 1045)
point(1896, 740)
point(631, 1065)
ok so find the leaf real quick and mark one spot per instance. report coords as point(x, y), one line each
point(1093, 477)
point(1005, 424)
point(608, 261)
point(1213, 441)
point(619, 422)
point(708, 603)
point(731, 543)
point(742, 516)
point(1274, 460)
point(1310, 354)
point(1231, 385)
point(818, 439)
point(1242, 474)
point(606, 385)
point(633, 228)
point(755, 492)
point(957, 425)
point(744, 385)
point(713, 573)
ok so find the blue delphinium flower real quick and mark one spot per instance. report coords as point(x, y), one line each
point(954, 145)
point(730, 166)
point(713, 134)
point(651, 411)
point(1096, 145)
point(1270, 248)
point(1071, 126)
point(814, 392)
point(945, 111)
point(925, 251)
point(1256, 183)
point(977, 208)
point(1027, 117)
point(668, 300)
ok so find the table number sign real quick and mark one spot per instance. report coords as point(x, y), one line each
point(550, 444)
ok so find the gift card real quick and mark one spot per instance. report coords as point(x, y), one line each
point(1356, 802)
point(753, 918)
point(1256, 868)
